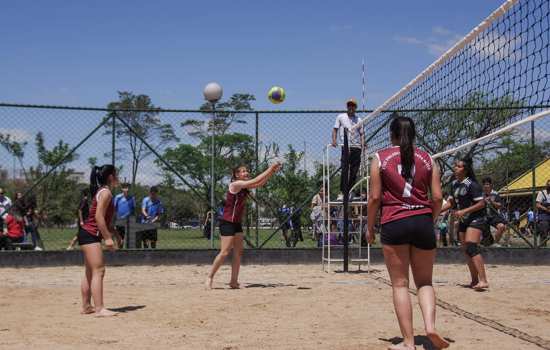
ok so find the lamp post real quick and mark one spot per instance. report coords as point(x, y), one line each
point(212, 93)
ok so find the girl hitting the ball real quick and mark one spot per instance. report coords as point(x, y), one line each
point(97, 227)
point(231, 230)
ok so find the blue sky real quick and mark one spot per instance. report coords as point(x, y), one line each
point(81, 53)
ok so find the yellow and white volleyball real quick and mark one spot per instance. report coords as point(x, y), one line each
point(276, 94)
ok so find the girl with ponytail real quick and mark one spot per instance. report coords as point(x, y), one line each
point(468, 206)
point(405, 184)
point(97, 227)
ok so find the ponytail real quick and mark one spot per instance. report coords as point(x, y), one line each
point(469, 167)
point(403, 133)
point(99, 176)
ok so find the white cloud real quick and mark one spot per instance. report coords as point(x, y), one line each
point(441, 40)
point(18, 135)
point(499, 47)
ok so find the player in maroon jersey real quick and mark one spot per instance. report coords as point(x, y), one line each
point(467, 198)
point(231, 230)
point(402, 176)
point(96, 227)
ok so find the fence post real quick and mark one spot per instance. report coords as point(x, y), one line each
point(256, 151)
point(533, 181)
point(113, 140)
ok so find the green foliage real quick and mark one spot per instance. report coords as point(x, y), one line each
point(15, 148)
point(513, 160)
point(139, 113)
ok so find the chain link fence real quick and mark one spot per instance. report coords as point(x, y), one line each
point(46, 154)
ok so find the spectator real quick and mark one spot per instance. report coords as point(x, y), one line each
point(493, 206)
point(517, 216)
point(284, 214)
point(5, 205)
point(125, 207)
point(296, 220)
point(317, 215)
point(14, 229)
point(543, 208)
point(530, 221)
point(25, 206)
point(83, 212)
point(151, 210)
point(356, 142)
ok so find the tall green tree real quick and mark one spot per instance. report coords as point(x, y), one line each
point(231, 147)
point(143, 117)
point(513, 160)
point(57, 195)
point(15, 148)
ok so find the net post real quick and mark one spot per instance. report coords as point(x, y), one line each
point(345, 200)
point(533, 181)
point(257, 149)
point(113, 144)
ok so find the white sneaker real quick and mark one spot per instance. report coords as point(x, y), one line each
point(496, 245)
point(37, 248)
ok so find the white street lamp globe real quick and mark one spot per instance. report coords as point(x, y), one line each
point(213, 92)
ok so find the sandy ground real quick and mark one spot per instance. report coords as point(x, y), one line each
point(280, 307)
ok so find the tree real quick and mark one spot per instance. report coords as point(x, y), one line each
point(143, 117)
point(57, 194)
point(15, 148)
point(231, 148)
point(513, 160)
point(455, 122)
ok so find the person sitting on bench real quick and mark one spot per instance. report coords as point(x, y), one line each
point(14, 229)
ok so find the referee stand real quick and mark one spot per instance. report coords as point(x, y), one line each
point(337, 211)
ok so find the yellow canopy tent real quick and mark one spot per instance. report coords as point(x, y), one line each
point(523, 184)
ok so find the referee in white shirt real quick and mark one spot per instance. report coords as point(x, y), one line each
point(356, 141)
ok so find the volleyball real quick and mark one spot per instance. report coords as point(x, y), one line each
point(276, 94)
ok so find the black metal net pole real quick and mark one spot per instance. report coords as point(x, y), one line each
point(345, 190)
point(533, 182)
point(257, 170)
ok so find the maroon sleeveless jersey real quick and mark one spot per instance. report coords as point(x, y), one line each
point(234, 206)
point(403, 198)
point(90, 225)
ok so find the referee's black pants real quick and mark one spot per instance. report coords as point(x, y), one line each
point(354, 164)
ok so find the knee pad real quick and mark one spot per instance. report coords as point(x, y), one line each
point(472, 249)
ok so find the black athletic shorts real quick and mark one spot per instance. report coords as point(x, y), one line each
point(151, 235)
point(495, 220)
point(85, 237)
point(417, 231)
point(230, 228)
point(478, 223)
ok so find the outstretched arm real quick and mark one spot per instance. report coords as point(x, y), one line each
point(256, 182)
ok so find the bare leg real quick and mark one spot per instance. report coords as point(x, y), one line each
point(474, 235)
point(72, 243)
point(94, 259)
point(85, 290)
point(226, 245)
point(500, 232)
point(236, 263)
point(473, 272)
point(422, 262)
point(397, 262)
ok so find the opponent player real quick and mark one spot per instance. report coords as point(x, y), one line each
point(467, 197)
point(402, 176)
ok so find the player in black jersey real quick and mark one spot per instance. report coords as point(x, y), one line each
point(469, 208)
point(494, 205)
